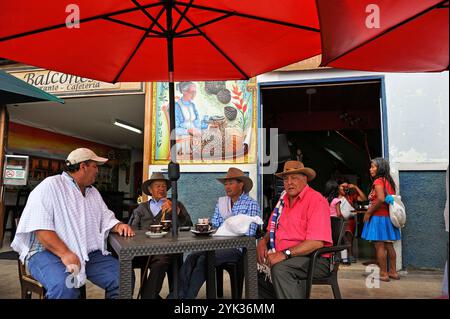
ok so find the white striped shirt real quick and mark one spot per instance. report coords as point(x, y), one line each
point(57, 204)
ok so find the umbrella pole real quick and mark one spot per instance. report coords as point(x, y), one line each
point(174, 167)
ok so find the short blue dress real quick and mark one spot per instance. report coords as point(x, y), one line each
point(380, 227)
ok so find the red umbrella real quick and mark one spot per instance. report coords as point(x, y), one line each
point(160, 40)
point(130, 40)
point(385, 35)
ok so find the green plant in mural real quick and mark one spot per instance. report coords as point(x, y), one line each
point(242, 106)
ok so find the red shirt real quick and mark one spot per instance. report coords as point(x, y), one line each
point(388, 190)
point(308, 218)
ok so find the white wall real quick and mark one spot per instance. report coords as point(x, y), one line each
point(418, 128)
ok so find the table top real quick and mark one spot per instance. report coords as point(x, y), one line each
point(359, 211)
point(141, 245)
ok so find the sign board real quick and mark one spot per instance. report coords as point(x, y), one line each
point(16, 170)
point(66, 85)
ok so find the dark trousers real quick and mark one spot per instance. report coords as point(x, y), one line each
point(289, 278)
point(158, 266)
point(192, 274)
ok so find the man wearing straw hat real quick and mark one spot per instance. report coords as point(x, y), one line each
point(237, 186)
point(152, 212)
point(299, 225)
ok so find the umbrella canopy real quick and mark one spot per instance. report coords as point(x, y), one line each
point(160, 40)
point(14, 90)
point(385, 35)
point(133, 40)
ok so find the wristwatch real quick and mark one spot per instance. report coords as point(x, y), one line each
point(287, 253)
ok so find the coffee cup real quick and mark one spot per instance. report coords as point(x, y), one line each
point(202, 228)
point(203, 220)
point(156, 228)
point(166, 224)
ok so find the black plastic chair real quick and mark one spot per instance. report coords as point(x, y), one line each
point(338, 231)
point(236, 272)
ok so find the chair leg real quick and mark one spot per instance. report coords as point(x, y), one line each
point(240, 283)
point(25, 294)
point(83, 292)
point(336, 290)
point(219, 284)
point(234, 283)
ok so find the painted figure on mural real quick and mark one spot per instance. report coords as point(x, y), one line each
point(187, 119)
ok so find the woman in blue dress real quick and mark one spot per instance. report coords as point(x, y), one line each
point(377, 223)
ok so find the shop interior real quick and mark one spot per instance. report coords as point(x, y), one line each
point(334, 128)
point(46, 132)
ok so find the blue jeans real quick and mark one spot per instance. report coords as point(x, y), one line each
point(49, 270)
point(193, 272)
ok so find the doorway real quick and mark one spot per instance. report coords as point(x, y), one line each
point(333, 126)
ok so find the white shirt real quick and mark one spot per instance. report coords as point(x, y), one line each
point(81, 222)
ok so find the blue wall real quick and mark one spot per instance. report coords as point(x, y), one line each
point(424, 236)
point(199, 193)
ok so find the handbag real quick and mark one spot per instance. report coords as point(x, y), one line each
point(397, 210)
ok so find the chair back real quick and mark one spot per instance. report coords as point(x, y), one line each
point(337, 230)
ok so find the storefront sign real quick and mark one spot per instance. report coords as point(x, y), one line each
point(65, 85)
point(16, 170)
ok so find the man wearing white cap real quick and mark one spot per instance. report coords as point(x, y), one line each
point(61, 236)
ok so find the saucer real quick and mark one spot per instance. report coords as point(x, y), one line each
point(206, 233)
point(155, 235)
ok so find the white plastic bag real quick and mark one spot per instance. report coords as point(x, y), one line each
point(346, 208)
point(237, 225)
point(397, 212)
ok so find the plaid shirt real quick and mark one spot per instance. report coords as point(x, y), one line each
point(244, 205)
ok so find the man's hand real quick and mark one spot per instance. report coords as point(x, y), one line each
point(274, 258)
point(123, 230)
point(71, 261)
point(261, 251)
point(167, 207)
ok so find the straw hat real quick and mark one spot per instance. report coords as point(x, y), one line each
point(296, 167)
point(155, 177)
point(236, 173)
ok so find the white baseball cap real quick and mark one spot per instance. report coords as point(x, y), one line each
point(84, 154)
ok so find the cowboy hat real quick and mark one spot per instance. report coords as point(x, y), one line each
point(157, 176)
point(236, 173)
point(296, 167)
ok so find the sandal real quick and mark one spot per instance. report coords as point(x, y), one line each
point(395, 277)
point(386, 279)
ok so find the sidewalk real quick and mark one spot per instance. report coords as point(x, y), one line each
point(415, 284)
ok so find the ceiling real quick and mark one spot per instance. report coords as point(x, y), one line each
point(89, 118)
point(323, 97)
